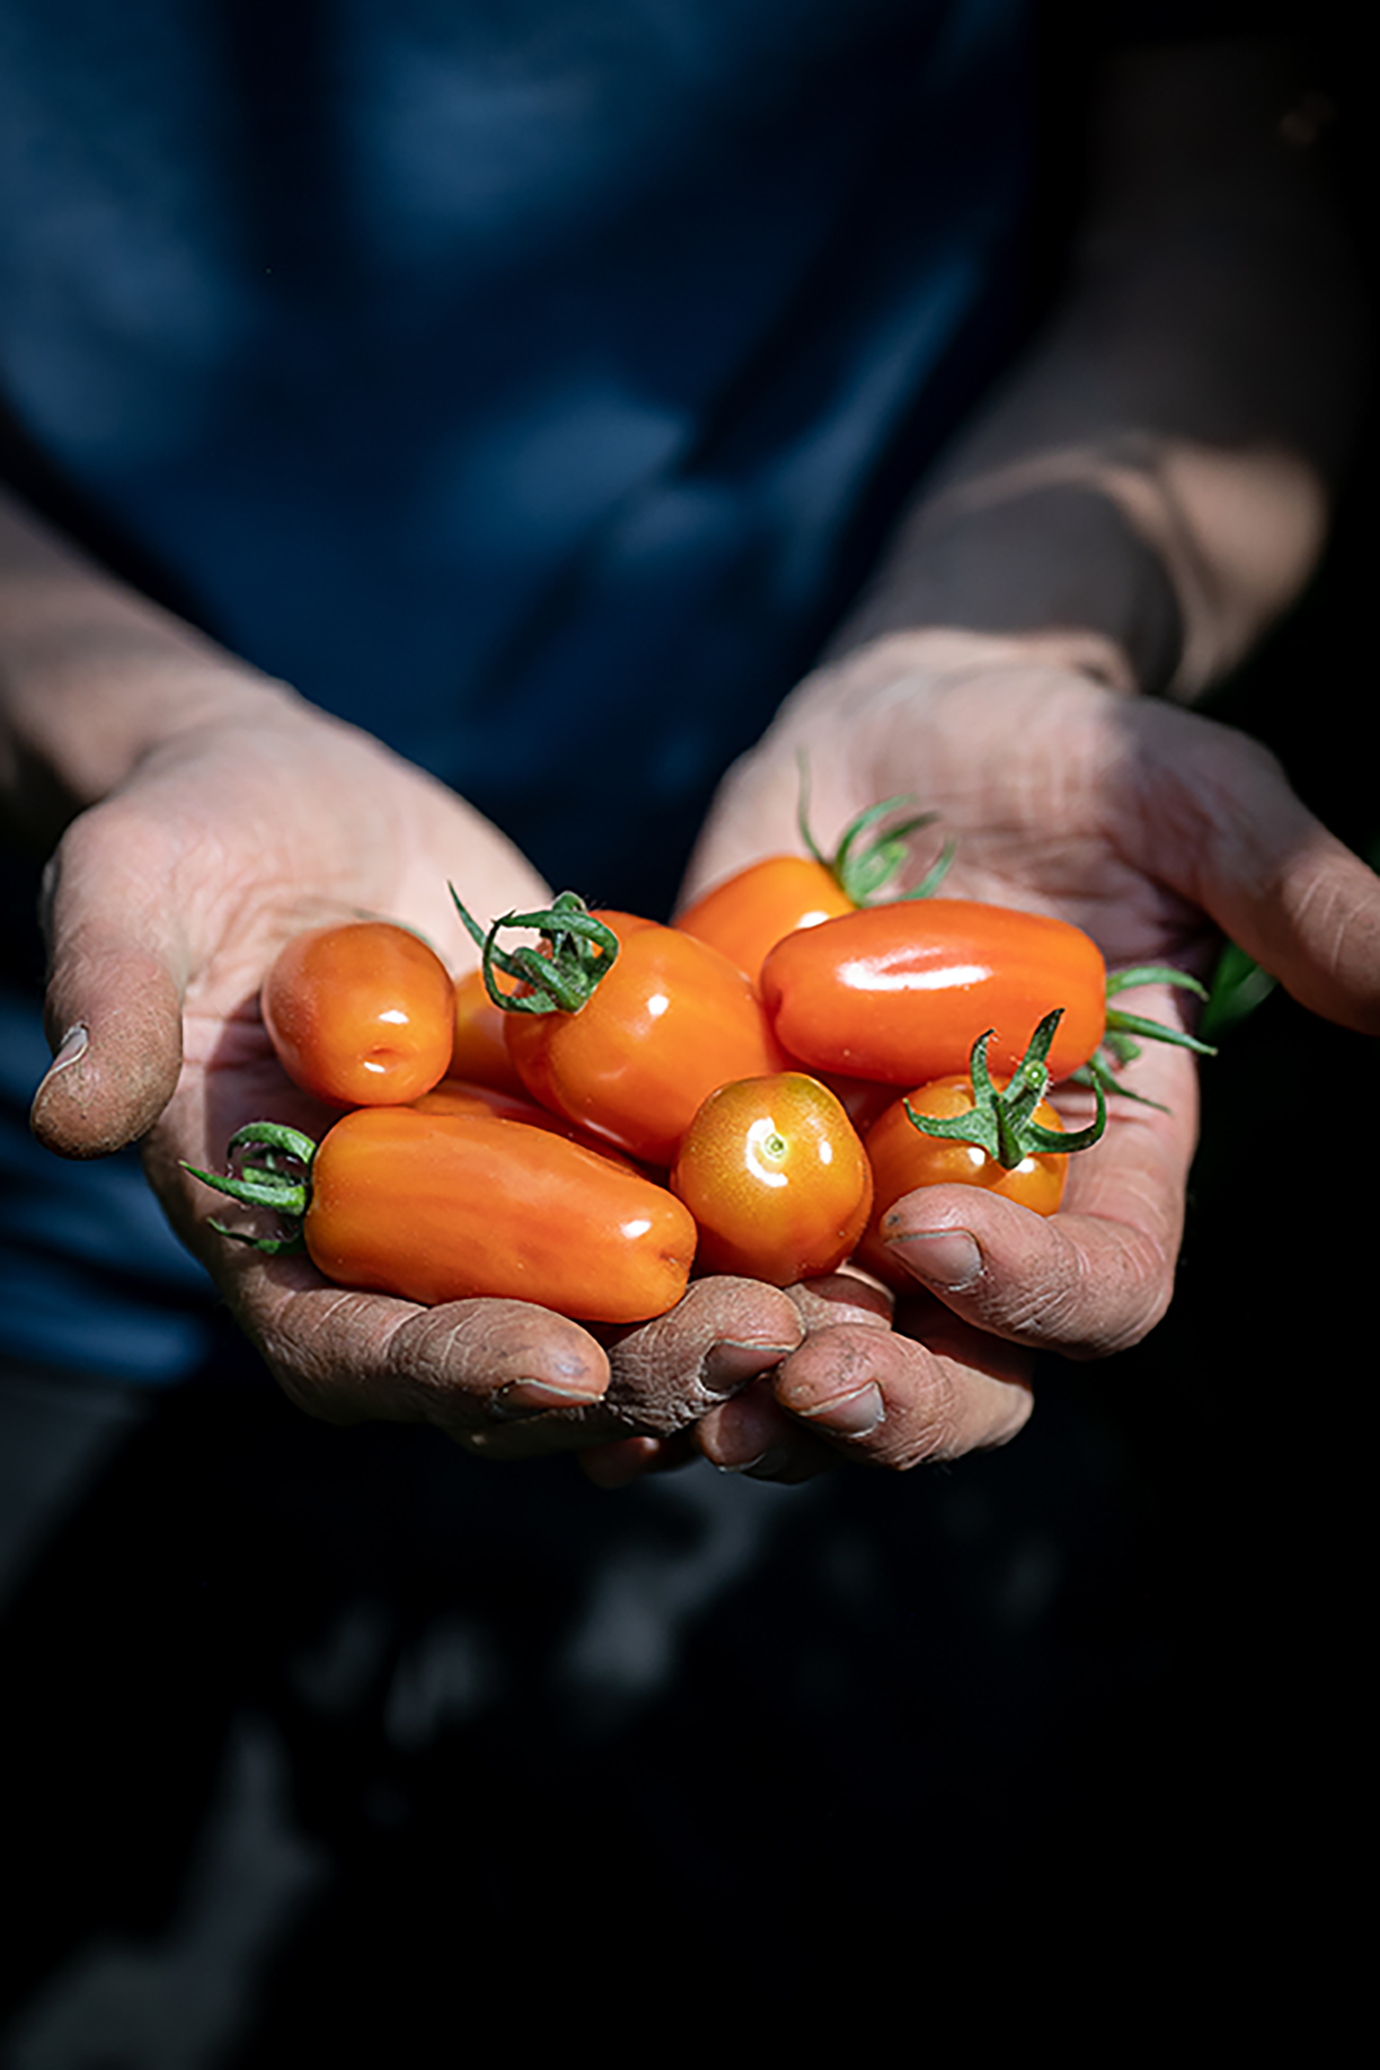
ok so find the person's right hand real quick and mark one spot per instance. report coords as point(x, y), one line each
point(166, 904)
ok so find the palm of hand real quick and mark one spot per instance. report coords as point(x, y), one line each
point(169, 902)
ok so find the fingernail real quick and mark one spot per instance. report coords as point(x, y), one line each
point(948, 1258)
point(764, 1466)
point(521, 1398)
point(727, 1366)
point(73, 1045)
point(849, 1415)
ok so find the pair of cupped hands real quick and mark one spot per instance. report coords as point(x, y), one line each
point(1153, 828)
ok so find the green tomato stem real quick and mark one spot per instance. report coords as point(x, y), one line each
point(863, 868)
point(1001, 1123)
point(582, 952)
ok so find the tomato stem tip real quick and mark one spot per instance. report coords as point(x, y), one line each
point(863, 868)
point(581, 951)
point(1001, 1122)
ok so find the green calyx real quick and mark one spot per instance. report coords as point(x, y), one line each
point(270, 1168)
point(1125, 1032)
point(871, 852)
point(581, 952)
point(1001, 1123)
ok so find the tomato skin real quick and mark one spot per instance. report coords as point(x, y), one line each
point(901, 992)
point(903, 1159)
point(436, 1207)
point(361, 1015)
point(776, 1178)
point(672, 1021)
point(479, 1052)
point(460, 1096)
point(747, 915)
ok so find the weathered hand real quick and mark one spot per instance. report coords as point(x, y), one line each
point(166, 904)
point(1153, 829)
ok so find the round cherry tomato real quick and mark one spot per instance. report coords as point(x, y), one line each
point(437, 1207)
point(901, 992)
point(672, 1021)
point(903, 1159)
point(748, 915)
point(362, 1015)
point(776, 1178)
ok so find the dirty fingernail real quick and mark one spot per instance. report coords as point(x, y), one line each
point(728, 1366)
point(531, 1397)
point(948, 1258)
point(849, 1415)
point(73, 1045)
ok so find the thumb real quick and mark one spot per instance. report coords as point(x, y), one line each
point(114, 1009)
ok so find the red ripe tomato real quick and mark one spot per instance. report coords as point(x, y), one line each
point(776, 1178)
point(671, 1022)
point(901, 992)
point(362, 1015)
point(437, 1207)
point(903, 1160)
point(745, 917)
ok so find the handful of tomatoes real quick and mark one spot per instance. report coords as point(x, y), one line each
point(580, 1124)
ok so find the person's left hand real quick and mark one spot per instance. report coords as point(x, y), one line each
point(1152, 829)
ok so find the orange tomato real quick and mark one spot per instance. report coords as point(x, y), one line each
point(776, 1179)
point(901, 992)
point(457, 1096)
point(903, 1159)
point(436, 1207)
point(671, 1022)
point(479, 1051)
point(361, 1014)
point(745, 917)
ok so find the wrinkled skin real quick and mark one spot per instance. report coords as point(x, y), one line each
point(1150, 827)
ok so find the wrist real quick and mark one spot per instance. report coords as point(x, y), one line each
point(1054, 570)
point(93, 678)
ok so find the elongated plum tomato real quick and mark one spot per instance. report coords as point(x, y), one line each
point(776, 1178)
point(903, 1160)
point(901, 992)
point(745, 917)
point(671, 1022)
point(362, 1015)
point(438, 1207)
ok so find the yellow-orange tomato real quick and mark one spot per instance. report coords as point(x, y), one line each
point(776, 1179)
point(903, 1159)
point(360, 1014)
point(479, 1052)
point(458, 1096)
point(746, 916)
point(438, 1207)
point(672, 1021)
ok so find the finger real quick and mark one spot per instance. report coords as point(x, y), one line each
point(1091, 1279)
point(632, 1459)
point(114, 1003)
point(505, 1377)
point(749, 1433)
point(755, 1436)
point(668, 1373)
point(932, 1389)
point(1247, 850)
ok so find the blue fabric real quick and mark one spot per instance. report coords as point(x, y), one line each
point(509, 379)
